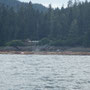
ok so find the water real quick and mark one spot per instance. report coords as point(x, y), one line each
point(44, 72)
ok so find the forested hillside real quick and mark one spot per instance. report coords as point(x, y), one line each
point(60, 27)
point(17, 4)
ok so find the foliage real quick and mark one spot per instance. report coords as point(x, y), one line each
point(57, 43)
point(15, 43)
point(44, 41)
point(59, 27)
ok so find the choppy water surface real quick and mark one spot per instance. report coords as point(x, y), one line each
point(44, 72)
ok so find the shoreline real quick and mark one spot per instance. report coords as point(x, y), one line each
point(44, 50)
point(44, 53)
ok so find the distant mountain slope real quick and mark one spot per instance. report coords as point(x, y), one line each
point(39, 7)
point(16, 4)
point(13, 3)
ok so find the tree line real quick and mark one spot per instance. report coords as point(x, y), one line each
point(68, 26)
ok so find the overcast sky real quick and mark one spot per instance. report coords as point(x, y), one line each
point(54, 3)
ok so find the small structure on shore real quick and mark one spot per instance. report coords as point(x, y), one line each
point(29, 42)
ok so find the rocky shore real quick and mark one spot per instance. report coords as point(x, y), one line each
point(46, 50)
point(45, 53)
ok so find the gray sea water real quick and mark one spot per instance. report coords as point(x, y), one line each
point(44, 72)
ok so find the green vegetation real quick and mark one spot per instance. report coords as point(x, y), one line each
point(44, 41)
point(15, 43)
point(57, 27)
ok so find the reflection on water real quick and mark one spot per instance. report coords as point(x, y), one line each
point(44, 72)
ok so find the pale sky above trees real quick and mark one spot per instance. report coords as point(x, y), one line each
point(54, 3)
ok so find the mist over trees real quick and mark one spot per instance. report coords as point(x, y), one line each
point(60, 27)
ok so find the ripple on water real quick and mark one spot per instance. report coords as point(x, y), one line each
point(44, 72)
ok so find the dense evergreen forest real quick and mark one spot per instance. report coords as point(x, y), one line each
point(59, 27)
